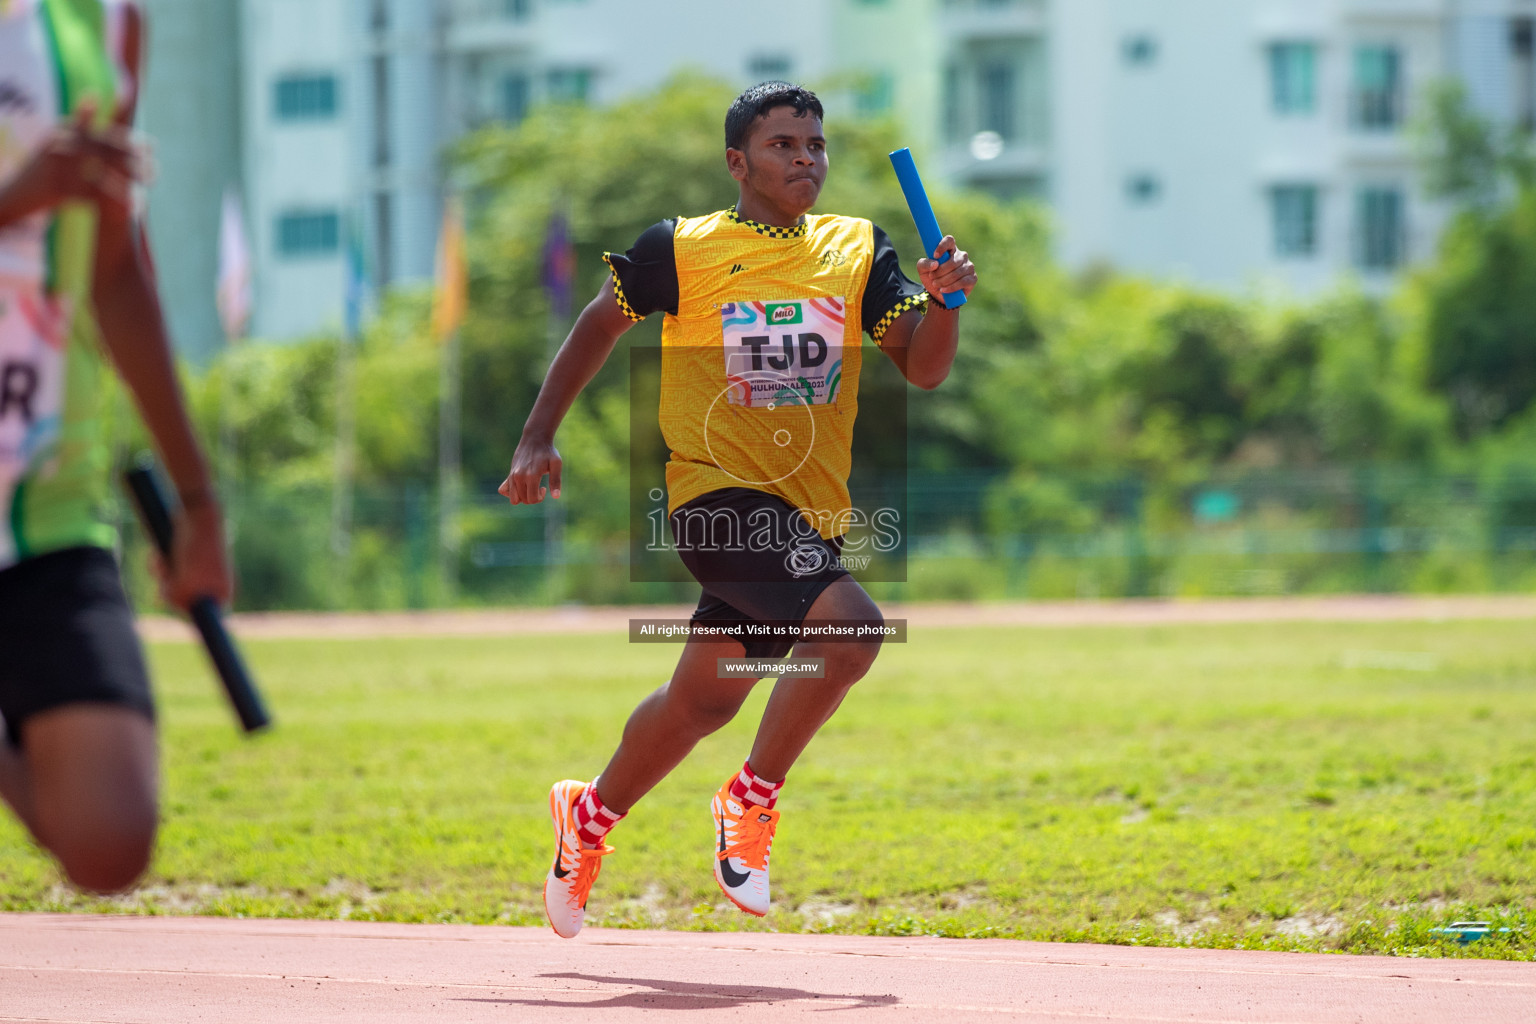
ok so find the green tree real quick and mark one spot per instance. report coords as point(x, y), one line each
point(1479, 299)
point(1480, 314)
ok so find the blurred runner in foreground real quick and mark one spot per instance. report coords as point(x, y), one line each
point(78, 761)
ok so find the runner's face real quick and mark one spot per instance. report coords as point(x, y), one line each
point(786, 159)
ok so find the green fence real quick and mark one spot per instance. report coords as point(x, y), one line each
point(969, 536)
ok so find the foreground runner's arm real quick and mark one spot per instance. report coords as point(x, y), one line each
point(77, 164)
point(586, 349)
point(133, 330)
point(922, 345)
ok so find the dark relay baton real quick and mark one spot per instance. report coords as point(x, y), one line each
point(156, 517)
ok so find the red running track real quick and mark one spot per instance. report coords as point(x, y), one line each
point(169, 970)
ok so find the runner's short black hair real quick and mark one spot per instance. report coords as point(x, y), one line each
point(758, 100)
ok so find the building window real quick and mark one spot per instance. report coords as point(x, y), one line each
point(516, 93)
point(953, 127)
point(1143, 189)
point(517, 10)
point(308, 233)
point(306, 97)
point(769, 67)
point(1293, 78)
point(1378, 104)
point(1522, 44)
point(994, 89)
point(380, 78)
point(1139, 51)
point(569, 85)
point(997, 80)
point(383, 240)
point(1295, 217)
point(1380, 228)
point(876, 94)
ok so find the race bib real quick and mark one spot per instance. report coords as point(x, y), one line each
point(779, 353)
point(32, 332)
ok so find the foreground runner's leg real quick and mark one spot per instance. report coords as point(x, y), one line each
point(85, 784)
point(743, 809)
point(659, 734)
point(16, 783)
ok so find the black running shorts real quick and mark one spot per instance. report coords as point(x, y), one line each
point(757, 559)
point(67, 637)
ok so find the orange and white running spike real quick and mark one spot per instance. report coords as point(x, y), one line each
point(743, 843)
point(570, 877)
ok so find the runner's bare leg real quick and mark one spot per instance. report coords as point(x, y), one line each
point(16, 783)
point(670, 722)
point(696, 702)
point(799, 707)
point(86, 785)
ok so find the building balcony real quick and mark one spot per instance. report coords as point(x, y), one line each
point(1396, 10)
point(1016, 162)
point(1378, 149)
point(498, 26)
point(968, 20)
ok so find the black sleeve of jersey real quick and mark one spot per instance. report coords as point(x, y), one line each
point(645, 277)
point(888, 293)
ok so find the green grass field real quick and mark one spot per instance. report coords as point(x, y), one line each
point(1296, 786)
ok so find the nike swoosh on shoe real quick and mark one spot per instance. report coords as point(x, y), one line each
point(733, 878)
point(559, 849)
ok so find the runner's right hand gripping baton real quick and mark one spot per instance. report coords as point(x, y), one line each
point(156, 517)
point(922, 214)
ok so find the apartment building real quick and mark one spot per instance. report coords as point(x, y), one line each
point(190, 106)
point(1230, 143)
point(349, 105)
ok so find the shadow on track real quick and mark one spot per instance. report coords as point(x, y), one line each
point(683, 995)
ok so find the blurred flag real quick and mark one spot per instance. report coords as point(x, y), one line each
point(451, 296)
point(356, 279)
point(559, 265)
point(234, 284)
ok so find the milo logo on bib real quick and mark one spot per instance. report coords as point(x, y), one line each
point(779, 353)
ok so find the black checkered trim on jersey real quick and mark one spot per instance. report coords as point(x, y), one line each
point(798, 231)
point(910, 302)
point(618, 292)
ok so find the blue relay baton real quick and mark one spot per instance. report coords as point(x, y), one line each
point(922, 214)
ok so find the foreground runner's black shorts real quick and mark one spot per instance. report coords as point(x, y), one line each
point(757, 559)
point(67, 637)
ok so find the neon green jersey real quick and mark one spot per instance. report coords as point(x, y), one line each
point(53, 457)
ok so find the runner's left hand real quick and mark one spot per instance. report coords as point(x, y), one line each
point(958, 275)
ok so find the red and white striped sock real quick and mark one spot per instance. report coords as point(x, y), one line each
point(593, 820)
point(751, 787)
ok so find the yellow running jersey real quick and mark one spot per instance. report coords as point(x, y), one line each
point(761, 349)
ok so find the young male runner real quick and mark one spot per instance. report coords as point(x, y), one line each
point(78, 759)
point(765, 309)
